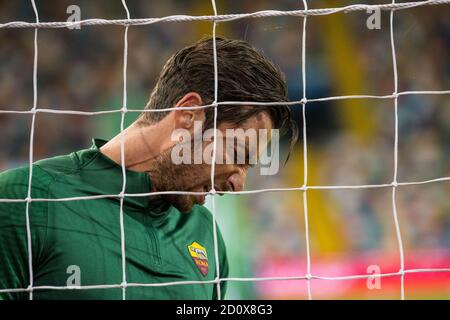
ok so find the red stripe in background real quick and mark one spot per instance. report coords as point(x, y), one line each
point(435, 285)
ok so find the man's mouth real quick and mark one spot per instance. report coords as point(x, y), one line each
point(200, 198)
point(220, 189)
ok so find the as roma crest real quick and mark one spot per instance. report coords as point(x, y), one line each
point(198, 254)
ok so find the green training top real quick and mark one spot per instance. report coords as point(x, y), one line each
point(77, 242)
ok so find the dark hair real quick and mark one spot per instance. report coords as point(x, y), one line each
point(244, 74)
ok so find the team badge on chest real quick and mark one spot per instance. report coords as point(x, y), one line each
point(198, 254)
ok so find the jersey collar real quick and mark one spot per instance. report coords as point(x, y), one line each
point(109, 178)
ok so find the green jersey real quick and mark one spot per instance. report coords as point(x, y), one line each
point(78, 242)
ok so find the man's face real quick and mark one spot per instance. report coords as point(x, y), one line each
point(227, 176)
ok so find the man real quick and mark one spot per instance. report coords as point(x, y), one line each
point(168, 237)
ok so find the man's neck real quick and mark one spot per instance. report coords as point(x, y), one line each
point(142, 144)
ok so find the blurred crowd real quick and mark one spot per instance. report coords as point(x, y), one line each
point(349, 142)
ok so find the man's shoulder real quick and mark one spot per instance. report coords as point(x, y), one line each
point(58, 165)
point(202, 215)
point(14, 182)
point(202, 212)
point(205, 216)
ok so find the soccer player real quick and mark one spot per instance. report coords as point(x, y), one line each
point(168, 237)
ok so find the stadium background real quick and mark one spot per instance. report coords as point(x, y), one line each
point(349, 141)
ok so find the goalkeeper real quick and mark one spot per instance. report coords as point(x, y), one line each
point(168, 238)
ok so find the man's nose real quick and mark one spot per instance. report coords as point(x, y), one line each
point(237, 180)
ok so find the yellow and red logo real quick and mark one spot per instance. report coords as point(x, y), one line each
point(198, 254)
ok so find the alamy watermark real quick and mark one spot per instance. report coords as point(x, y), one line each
point(235, 146)
point(374, 280)
point(74, 12)
point(74, 278)
point(374, 20)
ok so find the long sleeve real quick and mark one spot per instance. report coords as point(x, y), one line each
point(14, 265)
point(223, 266)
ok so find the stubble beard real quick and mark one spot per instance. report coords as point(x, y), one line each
point(167, 176)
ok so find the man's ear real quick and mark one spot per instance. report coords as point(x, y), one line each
point(185, 118)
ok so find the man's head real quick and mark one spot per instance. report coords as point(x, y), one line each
point(187, 80)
